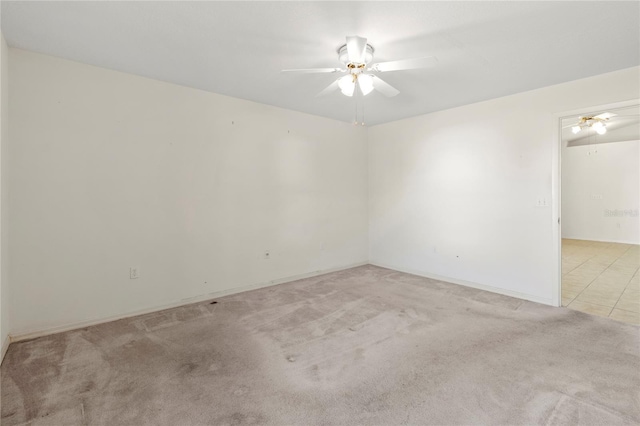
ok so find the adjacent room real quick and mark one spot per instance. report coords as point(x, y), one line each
point(600, 195)
point(319, 213)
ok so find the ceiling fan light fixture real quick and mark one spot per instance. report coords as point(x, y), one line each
point(356, 55)
point(576, 129)
point(347, 85)
point(601, 130)
point(365, 82)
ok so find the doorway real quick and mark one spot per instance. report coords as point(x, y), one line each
point(599, 201)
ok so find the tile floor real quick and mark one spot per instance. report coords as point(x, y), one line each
point(602, 279)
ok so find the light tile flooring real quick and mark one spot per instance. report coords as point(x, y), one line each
point(602, 279)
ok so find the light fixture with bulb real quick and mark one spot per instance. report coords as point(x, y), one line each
point(597, 123)
point(365, 81)
point(347, 84)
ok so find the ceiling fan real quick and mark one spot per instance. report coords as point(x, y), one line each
point(595, 122)
point(599, 122)
point(356, 55)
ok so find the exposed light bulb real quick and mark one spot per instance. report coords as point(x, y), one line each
point(601, 130)
point(365, 82)
point(347, 85)
point(597, 125)
point(576, 129)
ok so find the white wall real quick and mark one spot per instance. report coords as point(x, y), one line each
point(111, 170)
point(454, 193)
point(601, 192)
point(4, 229)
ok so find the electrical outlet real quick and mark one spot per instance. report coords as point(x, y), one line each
point(134, 272)
point(267, 254)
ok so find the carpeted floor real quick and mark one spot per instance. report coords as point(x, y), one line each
point(364, 346)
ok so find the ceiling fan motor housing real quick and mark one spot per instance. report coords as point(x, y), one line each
point(355, 68)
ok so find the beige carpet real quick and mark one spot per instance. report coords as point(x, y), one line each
point(364, 346)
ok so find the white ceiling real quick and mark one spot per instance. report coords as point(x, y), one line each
point(485, 49)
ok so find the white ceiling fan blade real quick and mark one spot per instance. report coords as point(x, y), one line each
point(329, 89)
point(356, 47)
point(405, 64)
point(383, 87)
point(605, 115)
point(313, 70)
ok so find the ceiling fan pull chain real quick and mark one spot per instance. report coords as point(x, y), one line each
point(355, 98)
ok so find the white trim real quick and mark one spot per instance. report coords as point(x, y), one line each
point(605, 142)
point(492, 289)
point(32, 334)
point(556, 206)
point(5, 347)
point(635, 243)
point(597, 108)
point(556, 188)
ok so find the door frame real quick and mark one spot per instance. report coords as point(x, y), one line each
point(556, 186)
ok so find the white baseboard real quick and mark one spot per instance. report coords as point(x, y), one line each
point(32, 334)
point(602, 241)
point(471, 284)
point(5, 347)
